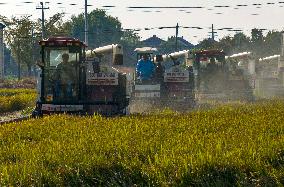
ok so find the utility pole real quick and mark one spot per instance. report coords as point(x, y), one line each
point(2, 56)
point(176, 45)
point(212, 33)
point(42, 8)
point(86, 22)
point(33, 51)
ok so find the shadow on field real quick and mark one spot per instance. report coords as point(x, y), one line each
point(104, 176)
point(277, 162)
point(119, 176)
point(227, 176)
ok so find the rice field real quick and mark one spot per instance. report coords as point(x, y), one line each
point(232, 145)
point(16, 99)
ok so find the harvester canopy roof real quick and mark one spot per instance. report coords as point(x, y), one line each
point(61, 41)
point(146, 50)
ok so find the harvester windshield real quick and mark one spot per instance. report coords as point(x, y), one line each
point(61, 58)
point(53, 56)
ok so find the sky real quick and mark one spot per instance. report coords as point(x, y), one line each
point(241, 15)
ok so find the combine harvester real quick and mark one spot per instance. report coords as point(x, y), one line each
point(242, 75)
point(218, 78)
point(265, 75)
point(74, 80)
point(269, 77)
point(171, 85)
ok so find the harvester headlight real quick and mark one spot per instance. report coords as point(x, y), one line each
point(49, 97)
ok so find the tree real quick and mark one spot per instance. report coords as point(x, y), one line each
point(257, 42)
point(55, 25)
point(130, 41)
point(241, 42)
point(226, 44)
point(207, 43)
point(272, 43)
point(23, 33)
point(103, 29)
point(18, 37)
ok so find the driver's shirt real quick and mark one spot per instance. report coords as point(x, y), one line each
point(145, 69)
point(66, 73)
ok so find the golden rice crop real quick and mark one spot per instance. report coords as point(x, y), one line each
point(227, 146)
point(16, 99)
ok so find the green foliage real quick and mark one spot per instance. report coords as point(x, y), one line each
point(228, 146)
point(18, 38)
point(55, 26)
point(207, 44)
point(272, 43)
point(103, 29)
point(22, 34)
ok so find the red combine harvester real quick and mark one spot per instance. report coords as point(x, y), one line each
point(74, 80)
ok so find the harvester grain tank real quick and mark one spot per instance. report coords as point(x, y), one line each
point(241, 67)
point(74, 80)
point(179, 80)
point(269, 77)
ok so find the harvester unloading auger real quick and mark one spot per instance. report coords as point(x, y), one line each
point(74, 80)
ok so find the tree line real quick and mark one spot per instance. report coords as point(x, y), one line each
point(22, 35)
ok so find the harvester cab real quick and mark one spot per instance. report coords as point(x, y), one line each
point(147, 86)
point(147, 74)
point(72, 79)
point(210, 74)
point(61, 61)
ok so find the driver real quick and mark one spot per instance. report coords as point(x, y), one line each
point(145, 68)
point(65, 77)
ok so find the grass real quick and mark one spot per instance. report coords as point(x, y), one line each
point(16, 99)
point(228, 146)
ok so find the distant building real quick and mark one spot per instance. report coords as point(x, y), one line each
point(153, 41)
point(169, 45)
point(185, 43)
